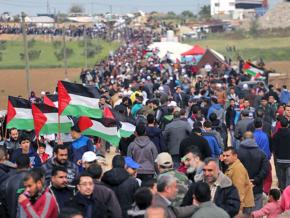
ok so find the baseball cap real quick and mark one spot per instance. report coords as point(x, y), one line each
point(89, 156)
point(131, 163)
point(164, 159)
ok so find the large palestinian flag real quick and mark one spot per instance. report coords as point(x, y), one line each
point(51, 100)
point(19, 114)
point(99, 128)
point(252, 70)
point(46, 120)
point(78, 100)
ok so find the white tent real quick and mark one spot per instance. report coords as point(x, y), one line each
point(174, 49)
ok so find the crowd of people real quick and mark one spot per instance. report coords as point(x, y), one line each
point(201, 148)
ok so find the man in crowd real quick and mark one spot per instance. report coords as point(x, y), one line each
point(257, 165)
point(36, 200)
point(60, 158)
point(103, 193)
point(144, 152)
point(223, 193)
point(12, 143)
point(122, 183)
point(174, 133)
point(240, 178)
point(281, 150)
point(165, 166)
point(84, 200)
point(12, 186)
point(58, 186)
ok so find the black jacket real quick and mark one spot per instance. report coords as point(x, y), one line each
point(11, 189)
point(230, 116)
point(61, 195)
point(255, 161)
point(108, 197)
point(281, 145)
point(81, 203)
point(226, 195)
point(4, 170)
point(194, 140)
point(155, 135)
point(124, 186)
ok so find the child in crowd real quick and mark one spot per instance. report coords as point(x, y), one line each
point(272, 209)
point(41, 152)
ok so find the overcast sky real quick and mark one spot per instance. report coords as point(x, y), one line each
point(33, 7)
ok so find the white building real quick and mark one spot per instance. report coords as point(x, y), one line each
point(222, 7)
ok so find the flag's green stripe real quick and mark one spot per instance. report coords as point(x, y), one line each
point(251, 73)
point(125, 134)
point(21, 124)
point(79, 110)
point(51, 128)
point(114, 140)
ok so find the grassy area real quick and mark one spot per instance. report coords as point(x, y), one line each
point(47, 59)
point(270, 49)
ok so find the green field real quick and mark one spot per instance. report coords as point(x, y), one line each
point(10, 53)
point(270, 49)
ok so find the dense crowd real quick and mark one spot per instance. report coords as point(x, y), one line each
point(202, 146)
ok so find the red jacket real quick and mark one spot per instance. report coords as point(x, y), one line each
point(44, 157)
point(44, 207)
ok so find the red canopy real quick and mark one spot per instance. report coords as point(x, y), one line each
point(195, 50)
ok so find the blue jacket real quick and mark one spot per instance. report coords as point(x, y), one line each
point(212, 109)
point(262, 141)
point(214, 146)
point(284, 96)
point(80, 146)
point(34, 158)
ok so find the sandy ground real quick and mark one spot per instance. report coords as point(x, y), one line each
point(13, 82)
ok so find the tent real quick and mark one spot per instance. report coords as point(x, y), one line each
point(171, 49)
point(195, 50)
point(210, 57)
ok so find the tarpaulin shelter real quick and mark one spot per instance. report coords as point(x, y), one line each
point(211, 57)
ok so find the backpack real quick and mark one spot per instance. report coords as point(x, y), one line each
point(222, 131)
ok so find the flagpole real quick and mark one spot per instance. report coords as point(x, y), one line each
point(58, 134)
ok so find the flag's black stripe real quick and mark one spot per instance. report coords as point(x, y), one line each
point(19, 102)
point(46, 108)
point(53, 98)
point(78, 89)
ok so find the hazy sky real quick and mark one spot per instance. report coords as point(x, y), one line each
point(119, 6)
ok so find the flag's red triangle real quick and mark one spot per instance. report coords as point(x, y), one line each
point(63, 97)
point(11, 112)
point(107, 113)
point(84, 123)
point(48, 102)
point(39, 119)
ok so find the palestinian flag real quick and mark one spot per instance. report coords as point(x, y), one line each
point(125, 124)
point(46, 120)
point(98, 127)
point(51, 100)
point(19, 114)
point(78, 100)
point(252, 70)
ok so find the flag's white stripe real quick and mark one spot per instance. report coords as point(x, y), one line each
point(128, 127)
point(99, 127)
point(84, 101)
point(53, 118)
point(23, 113)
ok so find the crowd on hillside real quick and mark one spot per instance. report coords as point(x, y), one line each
point(202, 146)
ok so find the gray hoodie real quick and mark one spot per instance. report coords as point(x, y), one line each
point(144, 152)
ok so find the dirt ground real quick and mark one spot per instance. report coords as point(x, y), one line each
point(13, 82)
point(282, 69)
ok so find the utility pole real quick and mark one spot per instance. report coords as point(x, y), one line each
point(64, 54)
point(86, 47)
point(25, 43)
point(47, 7)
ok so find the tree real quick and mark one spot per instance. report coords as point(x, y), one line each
point(254, 28)
point(76, 9)
point(204, 12)
point(187, 14)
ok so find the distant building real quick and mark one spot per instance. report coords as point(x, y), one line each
point(231, 8)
